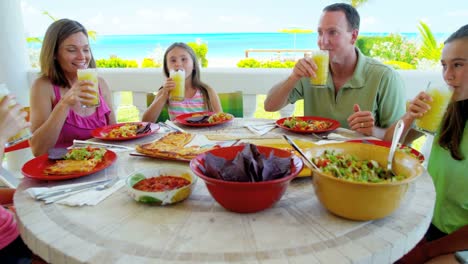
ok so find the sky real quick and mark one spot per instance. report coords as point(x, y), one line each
point(122, 17)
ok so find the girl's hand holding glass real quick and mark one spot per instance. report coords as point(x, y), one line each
point(431, 119)
point(417, 107)
point(168, 86)
point(79, 93)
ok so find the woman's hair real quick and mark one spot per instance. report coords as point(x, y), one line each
point(352, 15)
point(455, 118)
point(55, 35)
point(196, 82)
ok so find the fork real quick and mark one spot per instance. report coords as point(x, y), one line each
point(325, 137)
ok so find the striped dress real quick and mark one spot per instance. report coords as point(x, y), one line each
point(188, 105)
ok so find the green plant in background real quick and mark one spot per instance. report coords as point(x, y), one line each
point(395, 48)
point(430, 49)
point(399, 65)
point(115, 62)
point(253, 63)
point(200, 49)
point(150, 63)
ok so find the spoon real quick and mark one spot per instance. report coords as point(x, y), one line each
point(396, 138)
point(308, 163)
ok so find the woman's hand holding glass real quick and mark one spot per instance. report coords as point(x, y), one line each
point(80, 92)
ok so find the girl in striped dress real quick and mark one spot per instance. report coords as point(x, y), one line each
point(198, 95)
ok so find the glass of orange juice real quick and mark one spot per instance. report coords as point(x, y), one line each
point(321, 59)
point(441, 96)
point(24, 133)
point(178, 93)
point(90, 74)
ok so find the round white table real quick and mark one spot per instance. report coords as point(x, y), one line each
point(295, 230)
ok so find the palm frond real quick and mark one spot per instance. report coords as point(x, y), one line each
point(33, 40)
point(92, 34)
point(49, 15)
point(430, 49)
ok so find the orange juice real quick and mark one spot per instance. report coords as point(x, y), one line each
point(178, 93)
point(90, 74)
point(430, 121)
point(321, 59)
point(22, 134)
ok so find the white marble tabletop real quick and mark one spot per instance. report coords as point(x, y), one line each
point(295, 230)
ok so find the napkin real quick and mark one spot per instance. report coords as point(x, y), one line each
point(171, 124)
point(260, 129)
point(203, 142)
point(87, 197)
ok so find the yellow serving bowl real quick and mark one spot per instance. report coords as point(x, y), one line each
point(364, 201)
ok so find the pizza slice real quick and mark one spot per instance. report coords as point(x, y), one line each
point(171, 146)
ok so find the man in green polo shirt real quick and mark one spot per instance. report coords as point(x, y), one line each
point(362, 93)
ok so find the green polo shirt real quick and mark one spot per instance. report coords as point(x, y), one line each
point(374, 86)
point(451, 184)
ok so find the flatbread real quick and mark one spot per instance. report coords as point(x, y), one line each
point(77, 160)
point(171, 146)
point(63, 167)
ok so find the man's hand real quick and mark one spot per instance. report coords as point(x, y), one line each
point(361, 121)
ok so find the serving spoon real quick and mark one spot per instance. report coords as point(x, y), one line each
point(308, 162)
point(396, 138)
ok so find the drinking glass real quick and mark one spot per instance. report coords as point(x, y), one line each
point(22, 134)
point(441, 96)
point(178, 93)
point(90, 74)
point(321, 59)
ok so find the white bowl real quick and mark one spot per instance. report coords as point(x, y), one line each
point(163, 197)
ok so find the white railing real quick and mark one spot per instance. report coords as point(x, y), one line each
point(251, 82)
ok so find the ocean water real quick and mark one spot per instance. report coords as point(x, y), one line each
point(220, 45)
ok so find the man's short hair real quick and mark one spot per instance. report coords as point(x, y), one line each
point(352, 15)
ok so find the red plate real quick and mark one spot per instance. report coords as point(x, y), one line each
point(182, 119)
point(34, 168)
point(335, 124)
point(101, 133)
point(387, 144)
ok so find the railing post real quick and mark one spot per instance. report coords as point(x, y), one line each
point(139, 100)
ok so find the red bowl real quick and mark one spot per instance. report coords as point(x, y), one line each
point(246, 197)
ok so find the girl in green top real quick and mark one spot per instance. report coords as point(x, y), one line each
point(448, 163)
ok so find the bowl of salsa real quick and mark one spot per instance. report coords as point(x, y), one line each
point(161, 185)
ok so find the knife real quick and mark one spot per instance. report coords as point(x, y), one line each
point(101, 144)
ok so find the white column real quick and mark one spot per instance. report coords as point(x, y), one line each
point(14, 61)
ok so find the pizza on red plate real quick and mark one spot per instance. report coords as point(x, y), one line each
point(171, 146)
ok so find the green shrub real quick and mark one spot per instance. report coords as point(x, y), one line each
point(395, 48)
point(248, 63)
point(253, 63)
point(115, 62)
point(150, 63)
point(200, 49)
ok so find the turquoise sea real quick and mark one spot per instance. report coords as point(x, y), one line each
point(220, 45)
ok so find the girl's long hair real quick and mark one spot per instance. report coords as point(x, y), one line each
point(452, 128)
point(455, 118)
point(196, 82)
point(55, 35)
